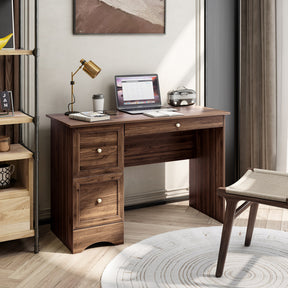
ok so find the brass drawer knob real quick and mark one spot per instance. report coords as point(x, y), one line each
point(99, 150)
point(178, 125)
point(99, 201)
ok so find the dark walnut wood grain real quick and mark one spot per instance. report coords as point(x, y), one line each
point(80, 177)
point(207, 173)
point(81, 174)
point(175, 125)
point(98, 150)
point(98, 200)
point(140, 150)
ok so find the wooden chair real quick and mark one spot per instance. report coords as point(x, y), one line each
point(256, 187)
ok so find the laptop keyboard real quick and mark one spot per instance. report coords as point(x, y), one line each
point(150, 110)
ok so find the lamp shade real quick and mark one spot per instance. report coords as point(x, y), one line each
point(90, 68)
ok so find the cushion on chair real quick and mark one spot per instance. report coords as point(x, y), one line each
point(264, 184)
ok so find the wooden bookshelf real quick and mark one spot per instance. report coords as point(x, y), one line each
point(9, 52)
point(17, 118)
point(19, 200)
point(16, 152)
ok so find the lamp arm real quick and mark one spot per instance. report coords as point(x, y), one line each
point(72, 88)
point(73, 74)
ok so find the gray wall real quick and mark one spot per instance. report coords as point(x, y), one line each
point(221, 71)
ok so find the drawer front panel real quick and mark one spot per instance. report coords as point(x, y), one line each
point(14, 215)
point(98, 150)
point(173, 125)
point(140, 150)
point(99, 200)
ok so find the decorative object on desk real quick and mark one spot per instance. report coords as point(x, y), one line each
point(6, 171)
point(187, 258)
point(6, 24)
point(110, 112)
point(98, 103)
point(92, 70)
point(89, 116)
point(182, 97)
point(6, 103)
point(118, 16)
point(4, 143)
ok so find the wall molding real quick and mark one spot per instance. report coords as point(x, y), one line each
point(150, 197)
point(200, 51)
point(156, 196)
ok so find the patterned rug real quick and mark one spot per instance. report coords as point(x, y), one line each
point(187, 258)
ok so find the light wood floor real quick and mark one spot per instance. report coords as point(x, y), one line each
point(55, 266)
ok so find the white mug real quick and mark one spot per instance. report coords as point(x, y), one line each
point(6, 171)
point(98, 103)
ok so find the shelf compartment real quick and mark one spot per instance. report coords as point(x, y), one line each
point(13, 192)
point(16, 152)
point(15, 216)
point(17, 118)
point(15, 52)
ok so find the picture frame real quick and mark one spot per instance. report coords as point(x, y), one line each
point(119, 17)
point(7, 22)
point(6, 103)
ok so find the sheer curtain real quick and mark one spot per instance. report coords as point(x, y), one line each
point(257, 99)
point(282, 85)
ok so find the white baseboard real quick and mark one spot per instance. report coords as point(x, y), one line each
point(155, 196)
point(44, 214)
point(150, 197)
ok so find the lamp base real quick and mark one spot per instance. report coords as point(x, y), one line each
point(70, 112)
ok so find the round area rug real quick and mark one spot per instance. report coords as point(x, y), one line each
point(188, 258)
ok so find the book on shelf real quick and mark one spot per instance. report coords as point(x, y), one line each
point(89, 116)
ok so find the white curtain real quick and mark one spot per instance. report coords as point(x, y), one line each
point(282, 85)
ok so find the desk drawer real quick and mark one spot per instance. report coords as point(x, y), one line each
point(173, 125)
point(98, 200)
point(98, 150)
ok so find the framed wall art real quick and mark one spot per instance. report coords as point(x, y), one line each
point(7, 22)
point(119, 16)
point(6, 103)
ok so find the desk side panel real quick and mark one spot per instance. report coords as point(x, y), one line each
point(61, 182)
point(207, 173)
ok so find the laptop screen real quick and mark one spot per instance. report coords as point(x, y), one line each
point(137, 91)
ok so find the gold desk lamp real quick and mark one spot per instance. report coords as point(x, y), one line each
point(92, 70)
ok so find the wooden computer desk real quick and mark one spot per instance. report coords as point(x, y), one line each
point(87, 162)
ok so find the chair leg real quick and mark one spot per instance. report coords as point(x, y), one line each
point(226, 233)
point(251, 223)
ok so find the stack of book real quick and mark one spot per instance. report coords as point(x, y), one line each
point(89, 116)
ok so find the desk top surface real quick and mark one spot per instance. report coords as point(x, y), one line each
point(122, 118)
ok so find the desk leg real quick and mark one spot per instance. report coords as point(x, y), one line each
point(207, 173)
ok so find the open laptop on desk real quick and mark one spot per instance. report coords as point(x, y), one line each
point(135, 94)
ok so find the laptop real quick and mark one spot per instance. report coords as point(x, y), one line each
point(135, 94)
